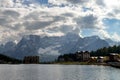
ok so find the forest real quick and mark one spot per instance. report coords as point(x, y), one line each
point(100, 52)
point(106, 51)
point(8, 60)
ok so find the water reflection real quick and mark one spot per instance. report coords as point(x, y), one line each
point(58, 72)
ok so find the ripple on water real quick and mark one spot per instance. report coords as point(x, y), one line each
point(58, 72)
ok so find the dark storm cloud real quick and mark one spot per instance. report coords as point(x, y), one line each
point(68, 14)
point(8, 16)
point(36, 25)
point(77, 1)
point(87, 22)
point(100, 2)
point(40, 20)
point(2, 21)
point(11, 13)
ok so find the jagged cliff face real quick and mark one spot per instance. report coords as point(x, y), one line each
point(50, 47)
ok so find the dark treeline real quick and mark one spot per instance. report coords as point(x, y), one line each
point(106, 51)
point(68, 57)
point(8, 60)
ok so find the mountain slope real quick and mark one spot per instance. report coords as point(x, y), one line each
point(50, 47)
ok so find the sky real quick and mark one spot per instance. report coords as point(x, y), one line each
point(58, 18)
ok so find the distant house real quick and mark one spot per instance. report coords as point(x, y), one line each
point(100, 59)
point(31, 60)
point(82, 56)
point(79, 56)
point(114, 57)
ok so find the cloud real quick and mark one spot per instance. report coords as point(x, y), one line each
point(49, 53)
point(58, 2)
point(77, 1)
point(115, 37)
point(88, 21)
point(35, 25)
point(8, 35)
point(49, 50)
point(104, 34)
point(36, 22)
point(58, 17)
point(6, 3)
point(10, 13)
point(100, 2)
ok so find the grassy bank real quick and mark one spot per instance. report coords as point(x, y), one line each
point(76, 63)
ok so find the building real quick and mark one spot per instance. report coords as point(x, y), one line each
point(82, 56)
point(114, 57)
point(100, 59)
point(31, 60)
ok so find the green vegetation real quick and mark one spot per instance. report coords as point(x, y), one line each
point(67, 63)
point(8, 60)
point(68, 57)
point(105, 51)
point(79, 63)
point(100, 52)
point(72, 58)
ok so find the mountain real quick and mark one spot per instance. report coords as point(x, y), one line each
point(90, 44)
point(8, 60)
point(112, 43)
point(50, 47)
point(8, 48)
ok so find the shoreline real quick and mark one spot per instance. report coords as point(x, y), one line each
point(77, 63)
point(68, 63)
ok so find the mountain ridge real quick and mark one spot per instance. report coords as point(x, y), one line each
point(52, 46)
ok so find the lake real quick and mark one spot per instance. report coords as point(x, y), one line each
point(58, 72)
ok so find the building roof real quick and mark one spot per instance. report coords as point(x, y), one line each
point(114, 54)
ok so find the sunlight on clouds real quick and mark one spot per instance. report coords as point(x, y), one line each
point(112, 3)
point(103, 34)
point(56, 18)
point(6, 3)
point(116, 37)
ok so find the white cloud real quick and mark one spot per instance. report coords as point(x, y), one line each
point(6, 3)
point(103, 33)
point(115, 37)
point(63, 17)
point(49, 53)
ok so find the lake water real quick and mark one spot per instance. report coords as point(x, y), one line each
point(58, 72)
